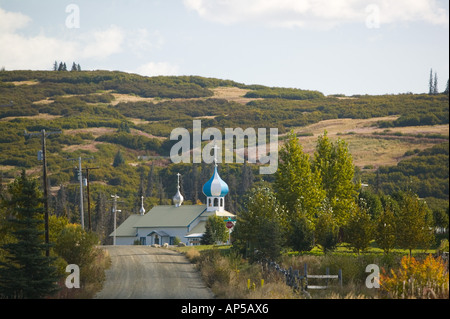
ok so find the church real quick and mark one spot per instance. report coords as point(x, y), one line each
point(163, 223)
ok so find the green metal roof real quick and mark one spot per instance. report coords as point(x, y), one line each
point(170, 216)
point(167, 216)
point(126, 229)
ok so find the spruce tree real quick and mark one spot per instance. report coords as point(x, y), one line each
point(430, 83)
point(435, 84)
point(261, 225)
point(118, 159)
point(207, 238)
point(26, 272)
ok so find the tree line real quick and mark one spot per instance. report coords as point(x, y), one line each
point(317, 202)
point(62, 66)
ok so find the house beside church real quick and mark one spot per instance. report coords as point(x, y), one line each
point(163, 223)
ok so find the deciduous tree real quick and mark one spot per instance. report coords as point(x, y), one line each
point(413, 223)
point(334, 164)
point(297, 187)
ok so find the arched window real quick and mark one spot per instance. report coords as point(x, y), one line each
point(221, 202)
point(216, 202)
point(209, 202)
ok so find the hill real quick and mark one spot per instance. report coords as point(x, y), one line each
point(102, 112)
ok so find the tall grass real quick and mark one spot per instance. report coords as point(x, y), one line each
point(230, 276)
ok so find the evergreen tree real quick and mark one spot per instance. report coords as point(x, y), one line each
point(61, 66)
point(55, 66)
point(215, 231)
point(78, 67)
point(74, 67)
point(207, 238)
point(26, 271)
point(61, 208)
point(446, 89)
point(247, 177)
point(261, 225)
point(150, 181)
point(118, 159)
point(435, 84)
point(100, 220)
point(430, 83)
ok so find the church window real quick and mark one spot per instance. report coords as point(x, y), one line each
point(216, 202)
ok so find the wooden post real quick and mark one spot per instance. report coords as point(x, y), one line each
point(340, 276)
point(306, 276)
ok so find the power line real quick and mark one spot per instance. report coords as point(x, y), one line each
point(43, 134)
point(115, 211)
point(80, 177)
point(88, 194)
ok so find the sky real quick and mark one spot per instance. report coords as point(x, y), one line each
point(333, 46)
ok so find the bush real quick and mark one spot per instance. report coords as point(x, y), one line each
point(414, 279)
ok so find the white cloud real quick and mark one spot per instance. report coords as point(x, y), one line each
point(157, 68)
point(10, 21)
point(102, 43)
point(19, 51)
point(142, 41)
point(316, 13)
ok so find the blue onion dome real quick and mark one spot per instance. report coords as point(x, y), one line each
point(215, 187)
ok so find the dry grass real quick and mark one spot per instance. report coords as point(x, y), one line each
point(41, 116)
point(125, 98)
point(366, 147)
point(90, 147)
point(232, 94)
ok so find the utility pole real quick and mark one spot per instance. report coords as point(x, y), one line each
point(43, 134)
point(115, 211)
point(88, 195)
point(80, 177)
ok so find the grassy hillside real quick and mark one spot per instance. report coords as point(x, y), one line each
point(102, 112)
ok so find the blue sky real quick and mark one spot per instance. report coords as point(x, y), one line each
point(334, 46)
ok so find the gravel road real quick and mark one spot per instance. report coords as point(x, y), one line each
point(139, 272)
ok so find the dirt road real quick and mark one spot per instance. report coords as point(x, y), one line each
point(156, 273)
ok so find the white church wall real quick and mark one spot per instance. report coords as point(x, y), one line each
point(179, 232)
